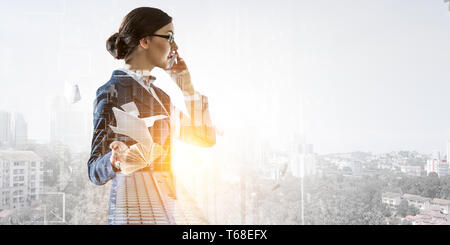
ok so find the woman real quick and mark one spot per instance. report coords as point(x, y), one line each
point(145, 41)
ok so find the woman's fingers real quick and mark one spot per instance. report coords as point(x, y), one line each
point(118, 151)
point(128, 158)
point(177, 67)
point(113, 157)
point(114, 145)
point(118, 146)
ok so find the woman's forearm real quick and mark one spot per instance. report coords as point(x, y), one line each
point(198, 129)
point(100, 169)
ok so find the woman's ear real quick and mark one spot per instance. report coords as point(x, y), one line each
point(144, 42)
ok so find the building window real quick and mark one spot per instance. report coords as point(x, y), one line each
point(19, 178)
point(18, 192)
point(19, 171)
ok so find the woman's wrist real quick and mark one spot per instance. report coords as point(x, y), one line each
point(183, 80)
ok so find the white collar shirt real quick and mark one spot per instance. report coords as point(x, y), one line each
point(171, 89)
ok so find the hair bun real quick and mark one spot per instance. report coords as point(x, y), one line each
point(116, 46)
point(138, 23)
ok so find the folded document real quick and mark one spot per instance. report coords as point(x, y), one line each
point(128, 123)
point(139, 157)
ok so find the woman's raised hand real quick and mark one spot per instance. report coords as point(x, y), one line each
point(180, 74)
point(178, 66)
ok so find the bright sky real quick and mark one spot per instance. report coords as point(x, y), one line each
point(373, 75)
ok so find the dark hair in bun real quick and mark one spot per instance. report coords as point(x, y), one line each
point(140, 22)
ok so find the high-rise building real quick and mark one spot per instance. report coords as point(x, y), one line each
point(5, 128)
point(21, 178)
point(69, 125)
point(13, 129)
point(443, 168)
point(19, 129)
point(439, 164)
point(440, 167)
point(432, 165)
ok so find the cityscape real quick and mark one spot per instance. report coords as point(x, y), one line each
point(327, 112)
point(47, 183)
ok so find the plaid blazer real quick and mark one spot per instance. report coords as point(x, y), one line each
point(122, 89)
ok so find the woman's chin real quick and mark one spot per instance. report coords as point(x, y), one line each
point(163, 65)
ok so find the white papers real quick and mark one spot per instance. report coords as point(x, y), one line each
point(130, 125)
point(145, 152)
point(133, 127)
point(131, 108)
point(149, 121)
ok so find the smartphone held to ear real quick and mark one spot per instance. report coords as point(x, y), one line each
point(173, 60)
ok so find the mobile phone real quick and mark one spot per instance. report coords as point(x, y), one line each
point(172, 60)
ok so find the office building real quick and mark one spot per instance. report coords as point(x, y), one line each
point(5, 128)
point(21, 178)
point(70, 125)
point(19, 129)
point(13, 129)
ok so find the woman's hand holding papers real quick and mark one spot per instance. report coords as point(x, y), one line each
point(118, 155)
point(130, 159)
point(127, 160)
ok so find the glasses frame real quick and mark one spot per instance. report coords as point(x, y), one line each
point(169, 37)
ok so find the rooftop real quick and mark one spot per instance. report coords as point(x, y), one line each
point(441, 201)
point(415, 198)
point(432, 213)
point(19, 156)
point(430, 217)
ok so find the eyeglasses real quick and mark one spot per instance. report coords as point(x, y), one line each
point(168, 37)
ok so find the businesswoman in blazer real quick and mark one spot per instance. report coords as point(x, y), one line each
point(145, 40)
